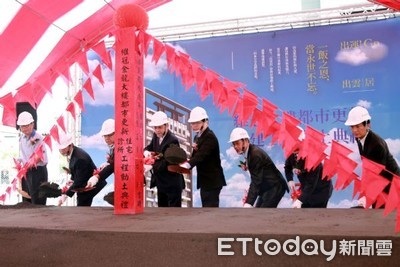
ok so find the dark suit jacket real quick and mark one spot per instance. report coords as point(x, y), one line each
point(376, 149)
point(263, 173)
point(315, 192)
point(207, 159)
point(166, 181)
point(82, 166)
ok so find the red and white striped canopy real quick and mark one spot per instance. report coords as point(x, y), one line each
point(53, 31)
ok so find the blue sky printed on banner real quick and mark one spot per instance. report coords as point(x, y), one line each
point(316, 74)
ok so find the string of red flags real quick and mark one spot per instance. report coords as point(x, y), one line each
point(227, 95)
point(372, 183)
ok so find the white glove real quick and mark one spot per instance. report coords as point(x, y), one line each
point(297, 204)
point(103, 165)
point(185, 165)
point(247, 205)
point(92, 181)
point(362, 202)
point(62, 199)
point(291, 186)
point(147, 168)
point(147, 154)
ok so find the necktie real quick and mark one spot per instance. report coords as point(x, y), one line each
point(360, 146)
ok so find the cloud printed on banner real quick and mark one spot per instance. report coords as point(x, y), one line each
point(364, 103)
point(95, 141)
point(357, 56)
point(233, 192)
point(232, 155)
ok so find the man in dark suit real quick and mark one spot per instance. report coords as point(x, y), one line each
point(206, 158)
point(315, 192)
point(169, 184)
point(81, 167)
point(267, 183)
point(107, 168)
point(371, 145)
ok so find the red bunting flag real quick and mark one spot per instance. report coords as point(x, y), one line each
point(8, 190)
point(171, 58)
point(102, 52)
point(233, 96)
point(9, 110)
point(71, 109)
point(145, 40)
point(338, 151)
point(356, 186)
point(26, 94)
point(372, 183)
point(205, 90)
point(393, 199)
point(238, 111)
point(81, 59)
point(64, 72)
point(88, 87)
point(79, 100)
point(219, 97)
point(269, 125)
point(48, 142)
point(97, 73)
point(54, 133)
point(344, 177)
point(200, 77)
point(250, 102)
point(185, 70)
point(288, 134)
point(313, 147)
point(60, 122)
point(158, 50)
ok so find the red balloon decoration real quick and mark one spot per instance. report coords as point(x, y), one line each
point(131, 15)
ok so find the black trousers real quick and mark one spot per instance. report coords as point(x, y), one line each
point(210, 197)
point(86, 198)
point(271, 197)
point(34, 177)
point(173, 199)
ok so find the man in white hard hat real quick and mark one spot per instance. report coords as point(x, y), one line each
point(169, 184)
point(315, 191)
point(29, 143)
point(206, 158)
point(107, 168)
point(371, 145)
point(81, 167)
point(267, 184)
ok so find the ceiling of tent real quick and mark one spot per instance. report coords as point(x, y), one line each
point(31, 61)
point(30, 21)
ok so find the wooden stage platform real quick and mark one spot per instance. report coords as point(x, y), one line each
point(84, 236)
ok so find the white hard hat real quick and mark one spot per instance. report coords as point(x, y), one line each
point(357, 115)
point(197, 114)
point(159, 118)
point(24, 118)
point(65, 141)
point(238, 134)
point(108, 127)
